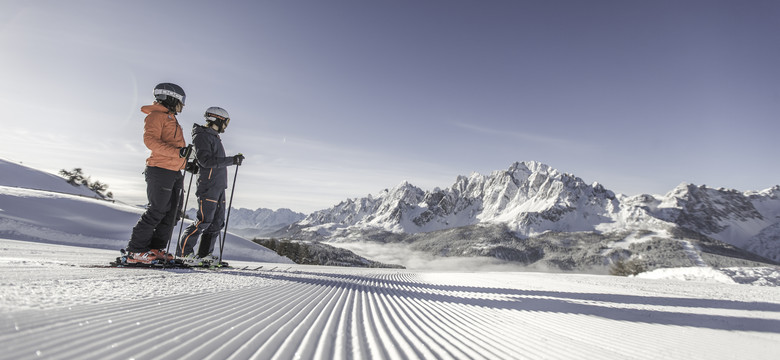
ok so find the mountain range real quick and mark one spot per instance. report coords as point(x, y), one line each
point(536, 215)
point(255, 223)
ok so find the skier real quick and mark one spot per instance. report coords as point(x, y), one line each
point(212, 173)
point(164, 180)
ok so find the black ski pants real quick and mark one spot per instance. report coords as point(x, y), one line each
point(211, 219)
point(154, 228)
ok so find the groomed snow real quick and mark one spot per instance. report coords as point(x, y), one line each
point(57, 302)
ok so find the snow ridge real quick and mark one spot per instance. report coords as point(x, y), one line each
point(17, 175)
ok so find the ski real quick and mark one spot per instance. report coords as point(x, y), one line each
point(210, 266)
point(121, 261)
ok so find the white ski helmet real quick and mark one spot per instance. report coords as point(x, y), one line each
point(217, 116)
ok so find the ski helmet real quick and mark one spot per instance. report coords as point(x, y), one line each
point(169, 95)
point(217, 116)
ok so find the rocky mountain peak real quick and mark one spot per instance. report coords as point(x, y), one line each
point(531, 199)
point(527, 194)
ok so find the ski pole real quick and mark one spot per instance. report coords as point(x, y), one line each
point(182, 213)
point(184, 206)
point(224, 235)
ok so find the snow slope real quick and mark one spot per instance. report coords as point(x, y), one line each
point(36, 206)
point(17, 175)
point(56, 304)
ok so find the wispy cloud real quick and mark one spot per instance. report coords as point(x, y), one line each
point(540, 140)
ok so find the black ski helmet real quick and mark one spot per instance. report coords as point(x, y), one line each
point(217, 116)
point(169, 95)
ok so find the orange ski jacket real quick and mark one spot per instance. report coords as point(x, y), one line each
point(164, 137)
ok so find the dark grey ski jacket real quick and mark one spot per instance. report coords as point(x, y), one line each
point(210, 154)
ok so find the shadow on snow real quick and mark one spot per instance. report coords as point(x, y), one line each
point(551, 301)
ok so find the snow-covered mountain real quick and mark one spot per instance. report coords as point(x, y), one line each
point(748, 220)
point(530, 197)
point(253, 223)
point(532, 202)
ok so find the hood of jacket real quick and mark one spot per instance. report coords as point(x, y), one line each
point(199, 129)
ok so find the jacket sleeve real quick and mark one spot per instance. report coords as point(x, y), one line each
point(153, 129)
point(205, 152)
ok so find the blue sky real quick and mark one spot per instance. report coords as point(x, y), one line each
point(338, 99)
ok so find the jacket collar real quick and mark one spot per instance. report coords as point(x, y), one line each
point(156, 107)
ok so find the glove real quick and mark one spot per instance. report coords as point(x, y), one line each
point(185, 151)
point(238, 159)
point(192, 167)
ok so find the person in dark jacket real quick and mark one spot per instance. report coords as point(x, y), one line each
point(212, 172)
point(164, 137)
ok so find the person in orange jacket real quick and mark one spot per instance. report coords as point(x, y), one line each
point(164, 179)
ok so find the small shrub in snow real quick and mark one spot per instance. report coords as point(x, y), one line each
point(627, 267)
point(76, 177)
